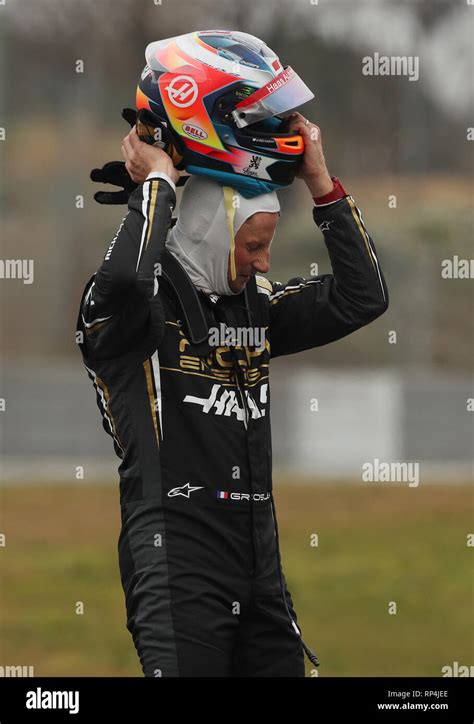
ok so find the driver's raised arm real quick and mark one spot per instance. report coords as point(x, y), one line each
point(306, 313)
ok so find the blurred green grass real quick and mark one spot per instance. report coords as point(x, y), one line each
point(375, 545)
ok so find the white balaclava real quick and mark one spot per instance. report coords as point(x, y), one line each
point(202, 239)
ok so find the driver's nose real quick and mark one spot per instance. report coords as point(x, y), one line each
point(262, 264)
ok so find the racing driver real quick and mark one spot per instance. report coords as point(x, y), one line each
point(189, 409)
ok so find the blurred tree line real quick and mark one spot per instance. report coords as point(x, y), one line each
point(379, 133)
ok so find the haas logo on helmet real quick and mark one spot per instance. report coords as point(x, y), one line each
point(182, 91)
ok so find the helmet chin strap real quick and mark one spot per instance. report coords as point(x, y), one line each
point(230, 214)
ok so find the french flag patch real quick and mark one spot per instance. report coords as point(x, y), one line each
point(222, 494)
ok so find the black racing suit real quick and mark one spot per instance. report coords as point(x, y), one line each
point(198, 548)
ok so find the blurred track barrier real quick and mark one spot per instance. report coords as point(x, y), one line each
point(326, 424)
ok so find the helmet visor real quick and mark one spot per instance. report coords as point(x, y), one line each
point(285, 92)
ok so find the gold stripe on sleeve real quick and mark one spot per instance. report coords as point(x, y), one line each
point(155, 184)
point(361, 229)
point(151, 396)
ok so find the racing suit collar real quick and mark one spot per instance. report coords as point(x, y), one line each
point(191, 301)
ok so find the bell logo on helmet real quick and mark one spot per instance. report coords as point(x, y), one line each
point(194, 131)
point(180, 89)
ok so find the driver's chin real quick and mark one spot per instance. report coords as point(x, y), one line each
point(239, 283)
point(237, 288)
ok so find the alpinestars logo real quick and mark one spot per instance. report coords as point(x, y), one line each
point(226, 404)
point(184, 490)
point(324, 225)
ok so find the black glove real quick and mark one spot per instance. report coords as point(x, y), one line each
point(113, 172)
point(130, 115)
point(151, 129)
